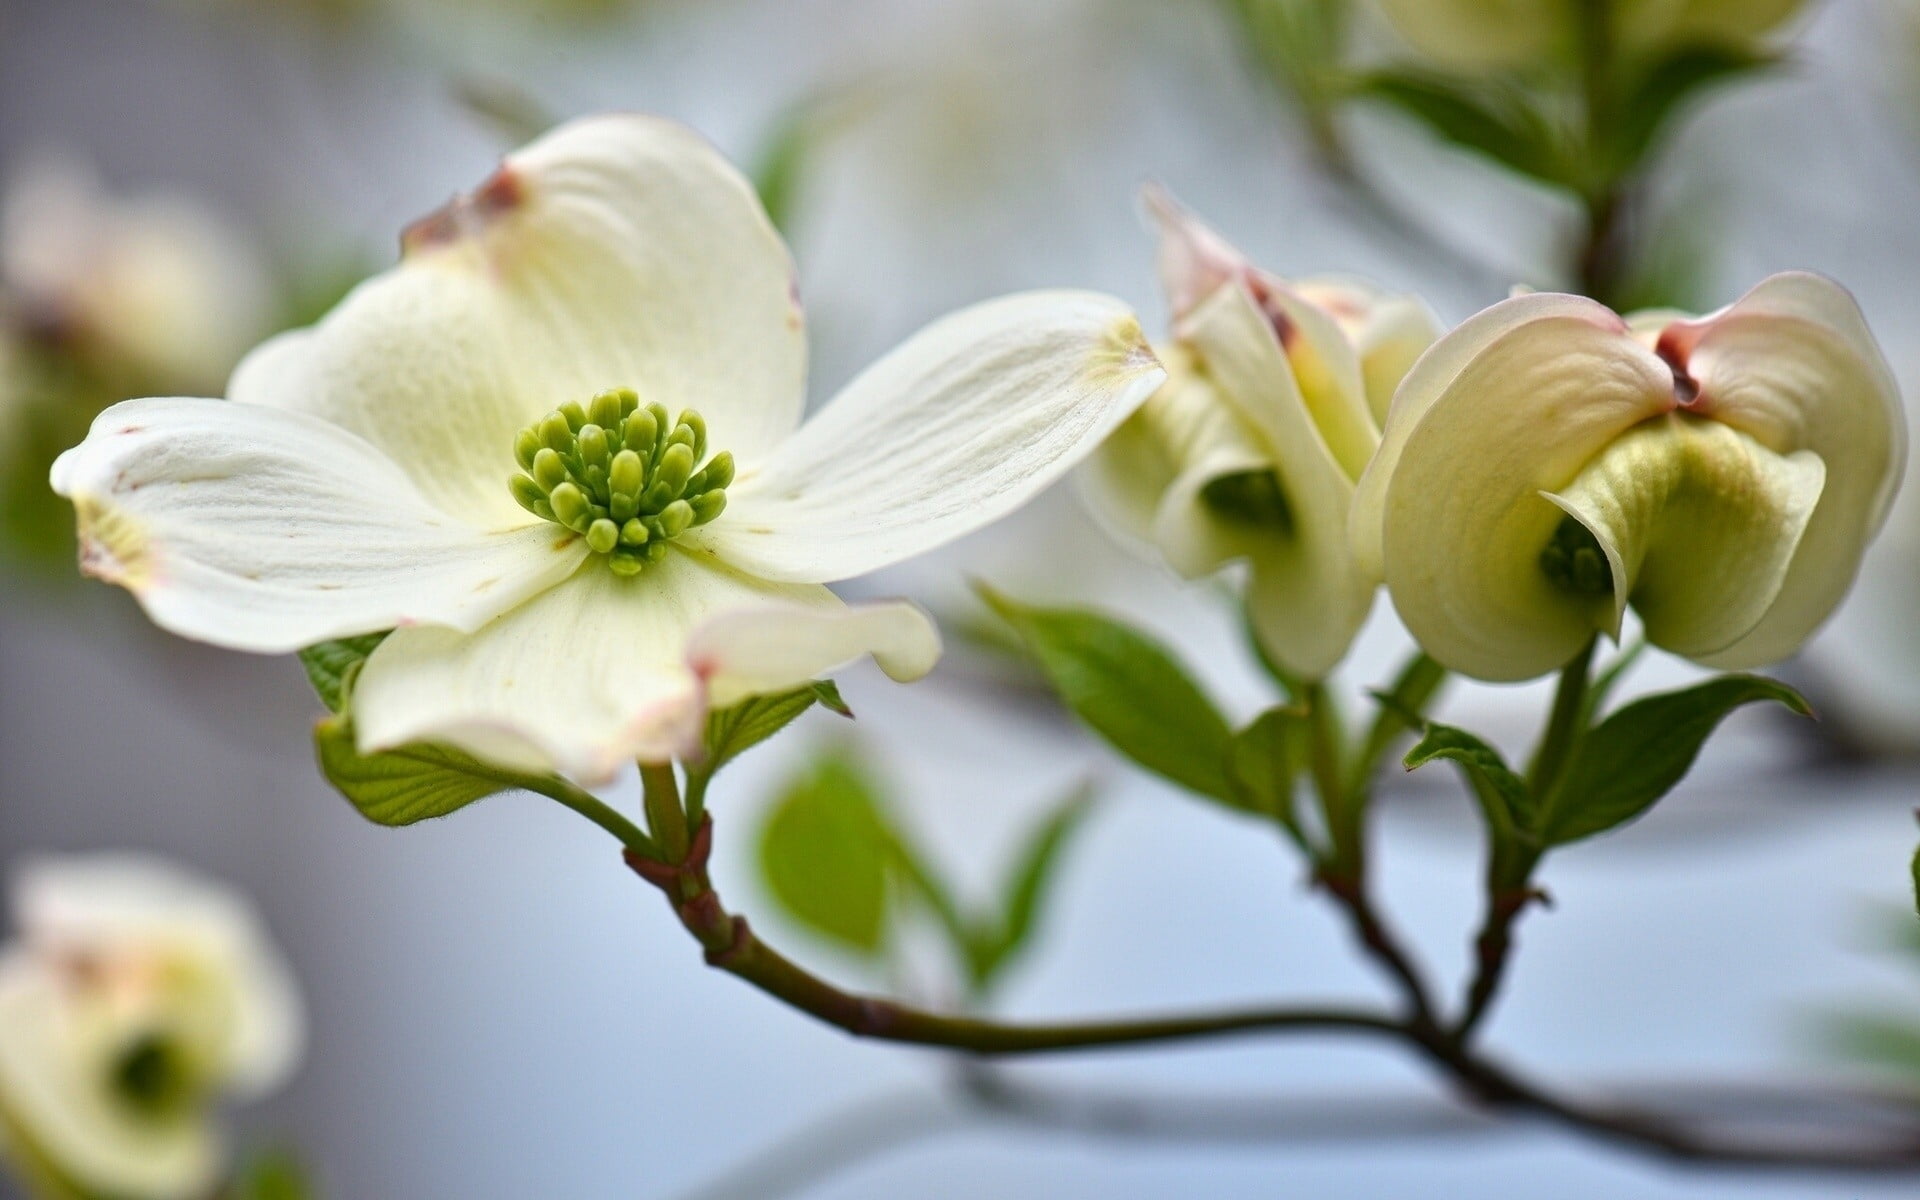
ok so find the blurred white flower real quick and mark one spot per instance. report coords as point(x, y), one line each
point(134, 998)
point(500, 450)
point(153, 288)
point(1251, 449)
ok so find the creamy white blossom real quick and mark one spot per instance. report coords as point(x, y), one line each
point(1548, 464)
point(151, 287)
point(1250, 451)
point(558, 449)
point(135, 998)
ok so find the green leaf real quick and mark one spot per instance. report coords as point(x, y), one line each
point(1502, 792)
point(1634, 757)
point(732, 731)
point(1499, 123)
point(273, 1175)
point(1027, 887)
point(330, 666)
point(409, 784)
point(825, 852)
point(1264, 759)
point(1668, 85)
point(1129, 689)
point(1916, 881)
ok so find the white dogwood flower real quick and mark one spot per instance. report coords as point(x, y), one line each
point(134, 999)
point(1548, 464)
point(558, 449)
point(1251, 449)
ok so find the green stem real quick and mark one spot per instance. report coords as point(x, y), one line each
point(593, 809)
point(1565, 725)
point(665, 816)
point(1511, 863)
point(1340, 810)
point(1604, 252)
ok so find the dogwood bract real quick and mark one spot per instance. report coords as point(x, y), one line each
point(556, 450)
point(1547, 464)
point(1251, 449)
point(135, 999)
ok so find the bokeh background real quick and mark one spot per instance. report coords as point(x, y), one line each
point(501, 1011)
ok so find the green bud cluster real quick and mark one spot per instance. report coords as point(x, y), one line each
point(622, 475)
point(1574, 561)
point(1251, 498)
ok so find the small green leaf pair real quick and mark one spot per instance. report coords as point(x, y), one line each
point(835, 859)
point(1618, 770)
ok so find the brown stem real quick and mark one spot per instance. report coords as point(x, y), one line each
point(1379, 942)
point(732, 946)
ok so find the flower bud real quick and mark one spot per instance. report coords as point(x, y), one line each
point(1250, 450)
point(1728, 472)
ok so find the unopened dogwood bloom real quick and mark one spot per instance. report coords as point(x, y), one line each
point(559, 450)
point(1251, 448)
point(1477, 34)
point(150, 288)
point(1547, 465)
point(134, 999)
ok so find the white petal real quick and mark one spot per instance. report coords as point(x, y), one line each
point(968, 420)
point(604, 670)
point(54, 1086)
point(266, 530)
point(1464, 519)
point(1699, 524)
point(1793, 364)
point(1431, 378)
point(616, 251)
point(774, 648)
point(1309, 594)
point(134, 908)
point(1185, 421)
point(1390, 332)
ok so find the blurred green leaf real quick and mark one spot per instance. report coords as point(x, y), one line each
point(1498, 122)
point(273, 1175)
point(1502, 792)
point(1000, 942)
point(1669, 84)
point(1264, 759)
point(1129, 689)
point(825, 853)
point(1634, 757)
point(1916, 881)
point(330, 665)
point(1885, 1042)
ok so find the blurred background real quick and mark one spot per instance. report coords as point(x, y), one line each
point(500, 1010)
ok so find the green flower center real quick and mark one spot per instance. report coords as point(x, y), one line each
point(1574, 561)
point(154, 1075)
point(1251, 498)
point(622, 475)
